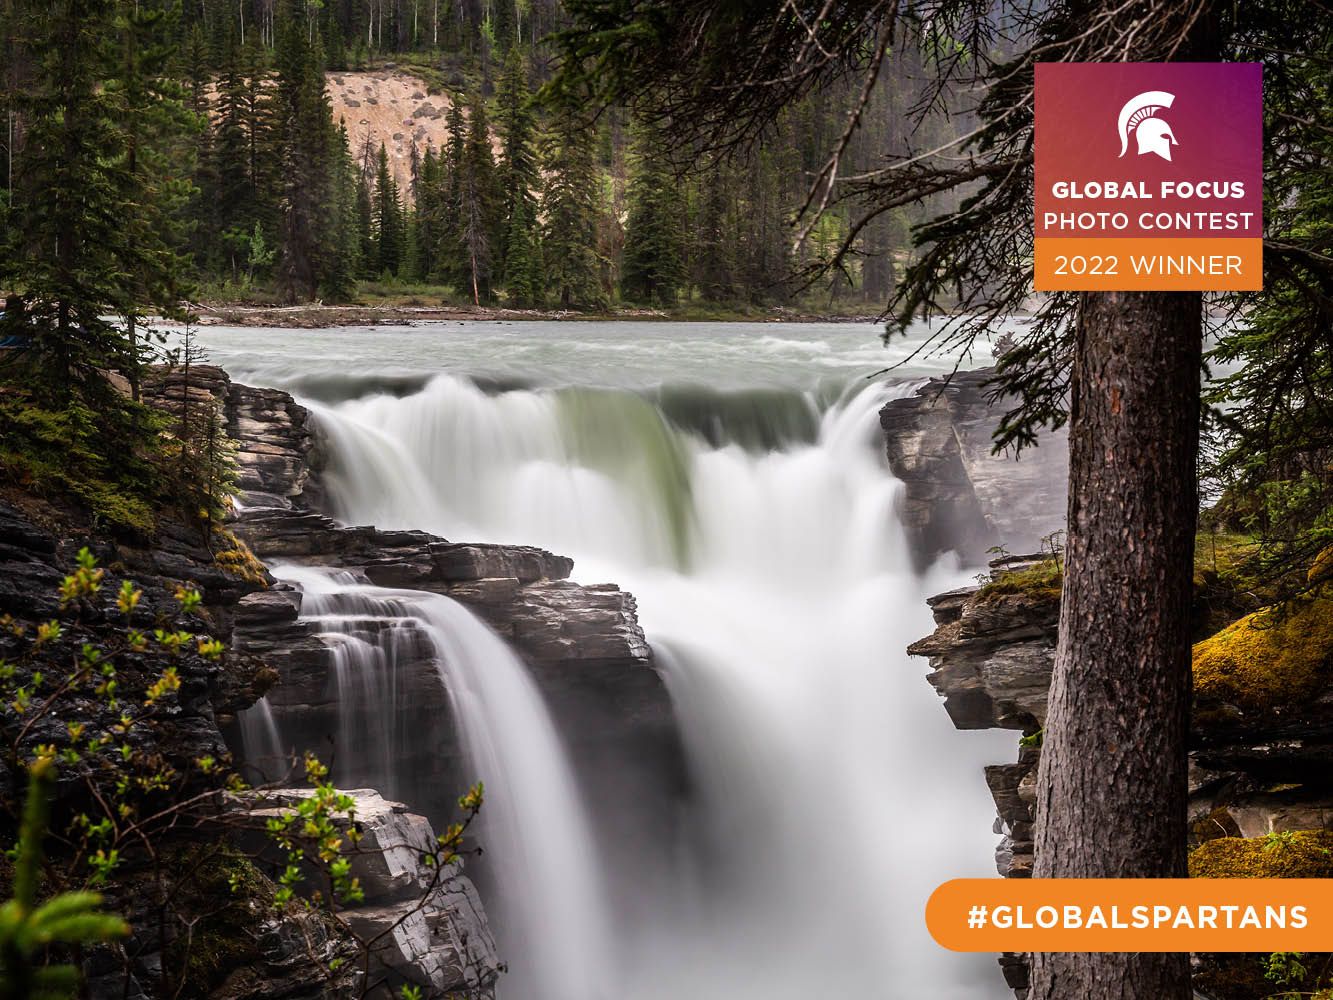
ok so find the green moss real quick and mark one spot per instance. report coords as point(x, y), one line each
point(225, 894)
point(1299, 854)
point(1041, 580)
point(1272, 659)
point(238, 561)
point(99, 460)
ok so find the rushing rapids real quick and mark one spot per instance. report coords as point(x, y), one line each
point(753, 518)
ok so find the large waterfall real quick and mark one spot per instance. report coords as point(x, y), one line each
point(753, 518)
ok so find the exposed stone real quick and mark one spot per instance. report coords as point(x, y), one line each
point(427, 924)
point(991, 655)
point(958, 494)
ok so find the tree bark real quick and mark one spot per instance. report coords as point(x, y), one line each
point(1111, 795)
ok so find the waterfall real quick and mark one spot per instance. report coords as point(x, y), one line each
point(261, 744)
point(532, 825)
point(757, 530)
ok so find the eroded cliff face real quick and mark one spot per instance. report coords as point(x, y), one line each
point(1260, 758)
point(958, 494)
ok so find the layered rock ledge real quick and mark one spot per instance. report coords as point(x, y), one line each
point(583, 643)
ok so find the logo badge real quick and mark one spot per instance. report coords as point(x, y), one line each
point(1148, 177)
point(1139, 117)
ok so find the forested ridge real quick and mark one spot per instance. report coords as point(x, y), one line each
point(215, 119)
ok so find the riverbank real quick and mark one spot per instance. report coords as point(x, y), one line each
point(317, 315)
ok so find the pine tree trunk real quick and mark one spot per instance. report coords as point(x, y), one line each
point(1111, 795)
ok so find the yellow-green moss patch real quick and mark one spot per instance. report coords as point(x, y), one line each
point(1043, 580)
point(240, 562)
point(1297, 854)
point(1274, 658)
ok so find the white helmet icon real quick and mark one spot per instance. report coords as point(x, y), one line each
point(1152, 133)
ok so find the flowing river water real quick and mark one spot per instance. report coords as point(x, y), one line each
point(731, 477)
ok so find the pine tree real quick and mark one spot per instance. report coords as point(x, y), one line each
point(519, 179)
point(476, 207)
point(200, 213)
point(344, 259)
point(231, 196)
point(304, 121)
point(428, 214)
point(715, 257)
point(74, 215)
point(653, 270)
point(571, 205)
point(153, 121)
point(388, 224)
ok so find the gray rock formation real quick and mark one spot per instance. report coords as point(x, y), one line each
point(423, 925)
point(958, 495)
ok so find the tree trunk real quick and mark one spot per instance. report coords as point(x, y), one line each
point(1111, 794)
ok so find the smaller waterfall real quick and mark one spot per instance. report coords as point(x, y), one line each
point(551, 914)
point(261, 743)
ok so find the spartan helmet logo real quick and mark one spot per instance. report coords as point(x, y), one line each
point(1139, 115)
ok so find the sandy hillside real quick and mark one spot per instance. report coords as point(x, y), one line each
point(392, 107)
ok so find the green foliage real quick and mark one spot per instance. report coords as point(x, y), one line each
point(105, 459)
point(27, 928)
point(654, 238)
point(1285, 968)
point(572, 205)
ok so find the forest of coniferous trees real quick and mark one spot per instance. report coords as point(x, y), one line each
point(214, 118)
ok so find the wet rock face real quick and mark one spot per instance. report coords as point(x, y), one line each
point(958, 495)
point(991, 657)
point(425, 926)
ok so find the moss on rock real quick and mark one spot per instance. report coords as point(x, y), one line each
point(1295, 854)
point(227, 895)
point(1272, 659)
point(1041, 580)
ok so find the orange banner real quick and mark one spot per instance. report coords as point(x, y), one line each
point(1146, 264)
point(1085, 915)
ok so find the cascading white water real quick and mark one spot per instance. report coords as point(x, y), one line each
point(775, 588)
point(261, 743)
point(532, 825)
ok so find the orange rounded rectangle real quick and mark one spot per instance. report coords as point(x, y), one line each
point(1086, 915)
point(1108, 264)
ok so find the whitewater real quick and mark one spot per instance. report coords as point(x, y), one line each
point(732, 479)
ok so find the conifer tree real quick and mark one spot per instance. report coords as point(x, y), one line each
point(152, 120)
point(304, 120)
point(476, 207)
point(428, 214)
point(715, 261)
point(344, 258)
point(389, 235)
point(74, 215)
point(571, 204)
point(520, 254)
point(653, 270)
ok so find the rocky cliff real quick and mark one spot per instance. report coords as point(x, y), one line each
point(958, 494)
